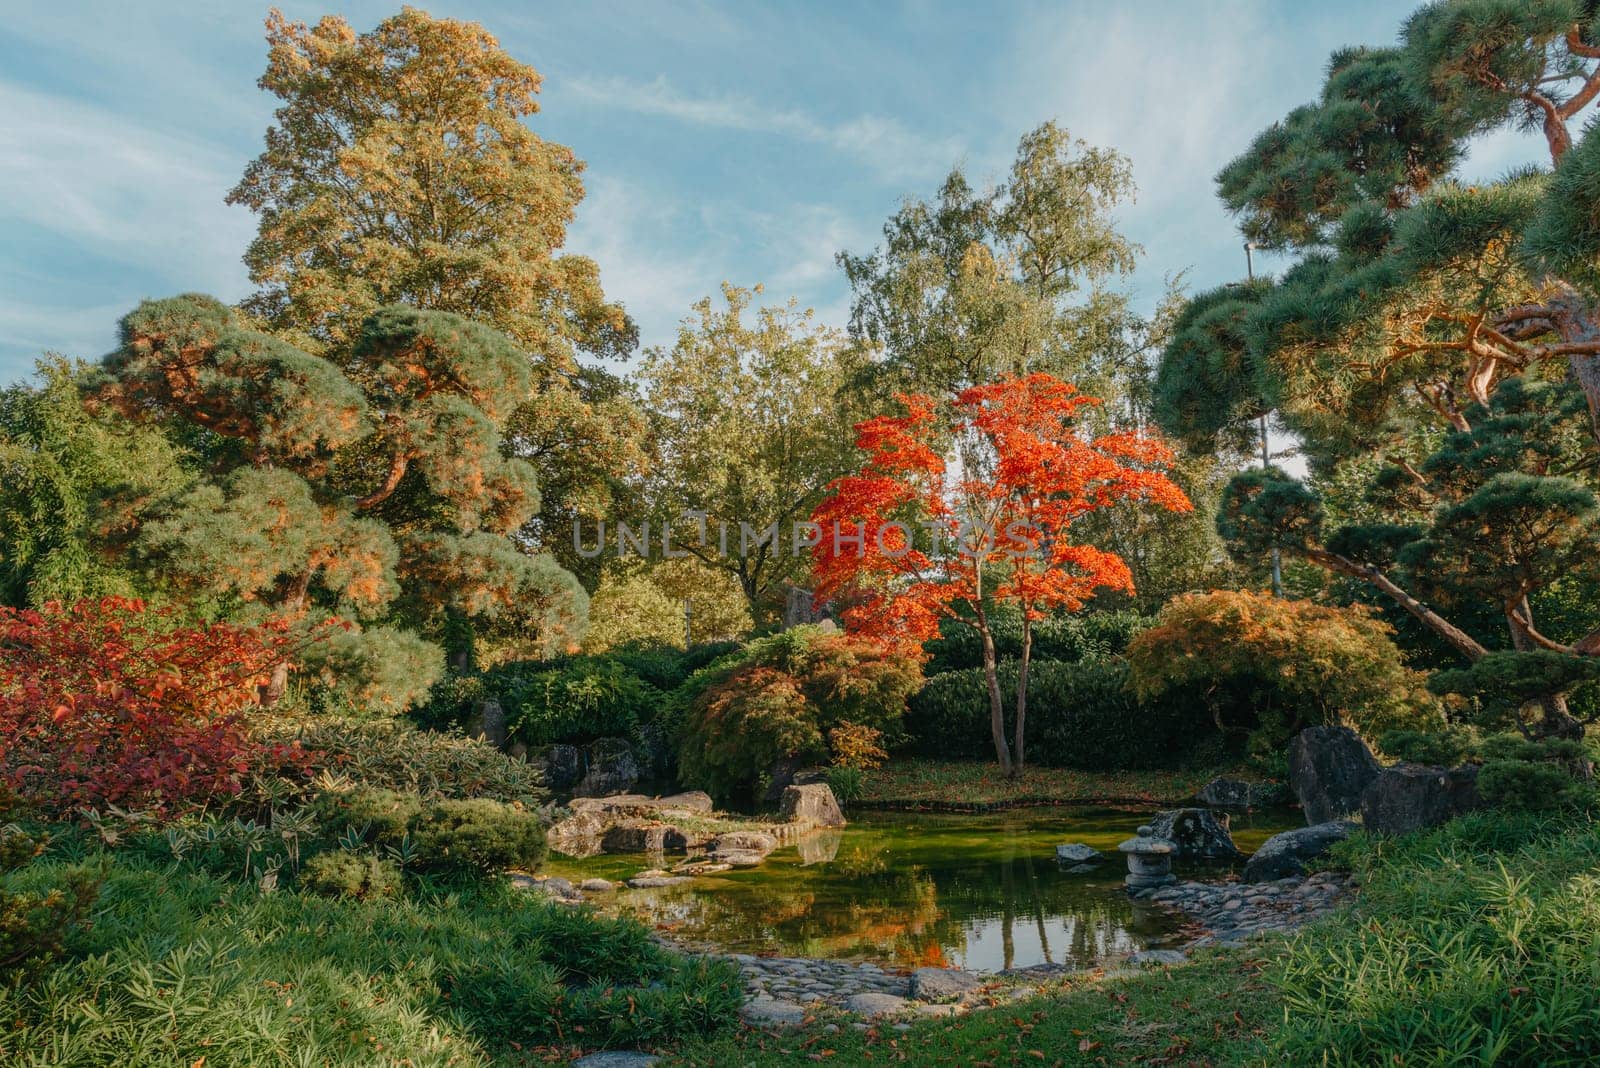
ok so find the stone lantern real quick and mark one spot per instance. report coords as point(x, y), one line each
point(1149, 861)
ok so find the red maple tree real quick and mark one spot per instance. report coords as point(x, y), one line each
point(110, 702)
point(912, 538)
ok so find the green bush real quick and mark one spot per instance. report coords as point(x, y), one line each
point(1520, 775)
point(1472, 943)
point(477, 834)
point(1088, 636)
point(778, 698)
point(343, 873)
point(848, 784)
point(379, 815)
point(399, 757)
point(1443, 748)
point(35, 922)
point(257, 980)
point(1080, 715)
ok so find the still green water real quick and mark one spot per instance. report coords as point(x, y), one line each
point(980, 892)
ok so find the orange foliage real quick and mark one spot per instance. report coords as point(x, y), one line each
point(1000, 529)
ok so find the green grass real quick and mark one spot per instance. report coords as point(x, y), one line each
point(1214, 1010)
point(921, 781)
point(182, 968)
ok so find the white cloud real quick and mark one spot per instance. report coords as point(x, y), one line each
point(884, 144)
point(125, 191)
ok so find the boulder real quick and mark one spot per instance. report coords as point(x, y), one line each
point(640, 836)
point(561, 765)
point(597, 886)
point(779, 778)
point(942, 984)
point(612, 769)
point(652, 882)
point(1197, 834)
point(813, 804)
point(1234, 793)
point(578, 835)
point(488, 723)
point(764, 1011)
point(1078, 853)
point(1410, 797)
point(1329, 768)
point(1147, 958)
point(873, 1005)
point(1285, 854)
point(616, 1058)
point(692, 801)
point(688, 801)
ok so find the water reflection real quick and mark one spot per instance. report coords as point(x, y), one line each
point(982, 892)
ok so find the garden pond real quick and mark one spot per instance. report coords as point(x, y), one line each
point(981, 892)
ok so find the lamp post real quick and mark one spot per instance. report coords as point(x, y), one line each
point(1266, 452)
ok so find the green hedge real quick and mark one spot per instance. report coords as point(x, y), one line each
point(1080, 715)
point(1093, 636)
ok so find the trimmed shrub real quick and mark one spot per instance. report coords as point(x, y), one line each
point(377, 814)
point(1445, 748)
point(396, 756)
point(34, 924)
point(342, 873)
point(1086, 636)
point(479, 835)
point(1080, 715)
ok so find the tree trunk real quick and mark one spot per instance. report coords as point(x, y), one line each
point(1555, 721)
point(1022, 693)
point(997, 711)
point(1460, 640)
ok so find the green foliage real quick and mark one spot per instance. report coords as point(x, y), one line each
point(398, 757)
point(1522, 775)
point(372, 812)
point(779, 697)
point(847, 783)
point(478, 834)
point(1441, 748)
point(1296, 664)
point(263, 979)
point(360, 876)
point(35, 923)
point(574, 701)
point(1080, 715)
point(58, 466)
point(1468, 945)
point(1502, 682)
point(1086, 636)
point(368, 483)
point(18, 847)
point(1564, 238)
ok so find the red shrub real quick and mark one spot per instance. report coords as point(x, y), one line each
point(110, 702)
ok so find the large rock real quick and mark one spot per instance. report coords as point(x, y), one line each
point(813, 804)
point(1329, 768)
point(1285, 854)
point(943, 984)
point(1078, 853)
point(612, 769)
point(742, 849)
point(560, 765)
point(1198, 834)
point(1234, 793)
point(578, 835)
point(641, 836)
point(694, 802)
point(1410, 797)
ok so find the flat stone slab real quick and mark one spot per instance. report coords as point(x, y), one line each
point(773, 1012)
point(1078, 853)
point(943, 984)
point(1152, 957)
point(872, 1006)
point(651, 882)
point(616, 1058)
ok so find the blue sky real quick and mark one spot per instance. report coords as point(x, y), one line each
point(725, 141)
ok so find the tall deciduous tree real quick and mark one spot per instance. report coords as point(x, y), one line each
point(401, 169)
point(752, 418)
point(976, 284)
point(1425, 322)
point(368, 484)
point(1003, 522)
